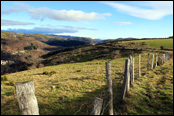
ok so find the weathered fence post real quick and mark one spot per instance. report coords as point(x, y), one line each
point(155, 60)
point(148, 62)
point(97, 106)
point(170, 55)
point(109, 85)
point(130, 69)
point(125, 81)
point(166, 56)
point(152, 61)
point(159, 58)
point(139, 66)
point(163, 59)
point(28, 104)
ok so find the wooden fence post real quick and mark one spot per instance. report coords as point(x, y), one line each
point(152, 61)
point(130, 69)
point(109, 85)
point(159, 58)
point(139, 66)
point(163, 59)
point(148, 62)
point(126, 80)
point(169, 55)
point(26, 98)
point(97, 106)
point(128, 76)
point(155, 60)
point(166, 56)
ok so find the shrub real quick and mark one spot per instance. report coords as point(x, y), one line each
point(162, 47)
point(49, 73)
point(11, 83)
point(4, 78)
point(32, 46)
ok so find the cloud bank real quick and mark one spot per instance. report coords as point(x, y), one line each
point(49, 30)
point(156, 10)
point(14, 23)
point(66, 15)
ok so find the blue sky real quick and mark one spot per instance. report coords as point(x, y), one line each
point(94, 19)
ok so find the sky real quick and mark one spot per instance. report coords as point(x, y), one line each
point(94, 19)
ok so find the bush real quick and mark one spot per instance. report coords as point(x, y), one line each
point(11, 83)
point(4, 78)
point(32, 46)
point(49, 73)
point(162, 47)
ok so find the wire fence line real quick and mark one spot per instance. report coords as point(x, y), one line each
point(153, 59)
point(106, 96)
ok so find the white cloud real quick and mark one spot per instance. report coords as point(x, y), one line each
point(123, 23)
point(14, 23)
point(67, 15)
point(157, 10)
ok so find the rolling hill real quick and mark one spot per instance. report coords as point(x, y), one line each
point(19, 48)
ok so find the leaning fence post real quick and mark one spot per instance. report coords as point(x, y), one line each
point(155, 60)
point(97, 106)
point(125, 81)
point(25, 92)
point(148, 62)
point(109, 85)
point(152, 61)
point(139, 65)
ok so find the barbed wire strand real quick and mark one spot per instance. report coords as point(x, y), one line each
point(79, 109)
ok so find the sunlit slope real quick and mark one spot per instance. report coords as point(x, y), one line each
point(64, 89)
point(156, 43)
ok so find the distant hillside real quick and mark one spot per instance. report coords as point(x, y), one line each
point(29, 51)
point(76, 38)
point(98, 39)
point(108, 50)
point(25, 49)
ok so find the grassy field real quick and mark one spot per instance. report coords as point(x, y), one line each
point(156, 43)
point(151, 94)
point(77, 84)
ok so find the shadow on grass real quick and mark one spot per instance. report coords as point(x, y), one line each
point(65, 105)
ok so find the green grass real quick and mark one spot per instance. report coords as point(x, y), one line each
point(153, 95)
point(156, 43)
point(77, 84)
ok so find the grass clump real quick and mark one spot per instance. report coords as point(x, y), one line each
point(49, 73)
